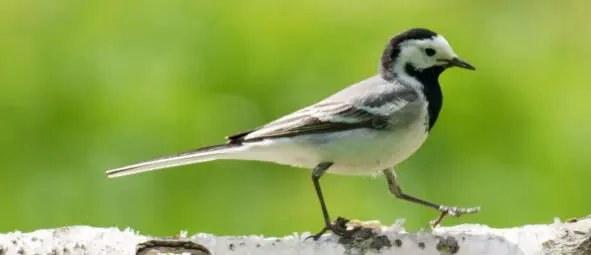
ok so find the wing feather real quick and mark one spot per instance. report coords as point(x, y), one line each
point(372, 112)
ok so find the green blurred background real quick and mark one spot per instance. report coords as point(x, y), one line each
point(92, 85)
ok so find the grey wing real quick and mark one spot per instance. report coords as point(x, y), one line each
point(370, 111)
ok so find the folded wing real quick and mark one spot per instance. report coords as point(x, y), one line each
point(371, 112)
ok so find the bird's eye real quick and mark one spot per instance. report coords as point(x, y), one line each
point(430, 52)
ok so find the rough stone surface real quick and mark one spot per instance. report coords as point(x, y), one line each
point(572, 237)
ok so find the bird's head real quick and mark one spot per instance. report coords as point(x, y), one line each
point(419, 51)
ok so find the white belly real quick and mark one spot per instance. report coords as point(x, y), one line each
point(363, 152)
point(358, 151)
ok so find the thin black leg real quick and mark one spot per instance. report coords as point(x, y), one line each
point(445, 210)
point(317, 172)
point(340, 226)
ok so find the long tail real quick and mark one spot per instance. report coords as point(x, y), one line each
point(185, 158)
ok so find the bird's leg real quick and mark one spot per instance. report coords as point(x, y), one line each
point(317, 172)
point(445, 210)
point(340, 225)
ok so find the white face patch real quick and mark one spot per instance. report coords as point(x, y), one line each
point(414, 52)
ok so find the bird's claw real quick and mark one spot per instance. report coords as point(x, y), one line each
point(452, 211)
point(457, 212)
point(339, 228)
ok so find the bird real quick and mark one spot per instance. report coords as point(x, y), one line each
point(364, 129)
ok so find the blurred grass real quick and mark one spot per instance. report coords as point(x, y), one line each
point(92, 85)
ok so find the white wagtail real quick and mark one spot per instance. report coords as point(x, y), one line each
point(364, 129)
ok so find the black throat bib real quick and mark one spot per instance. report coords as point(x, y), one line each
point(429, 78)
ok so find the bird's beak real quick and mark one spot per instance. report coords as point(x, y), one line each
point(455, 61)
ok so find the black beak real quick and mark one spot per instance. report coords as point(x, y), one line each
point(460, 63)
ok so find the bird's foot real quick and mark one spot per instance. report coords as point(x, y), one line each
point(452, 211)
point(339, 228)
